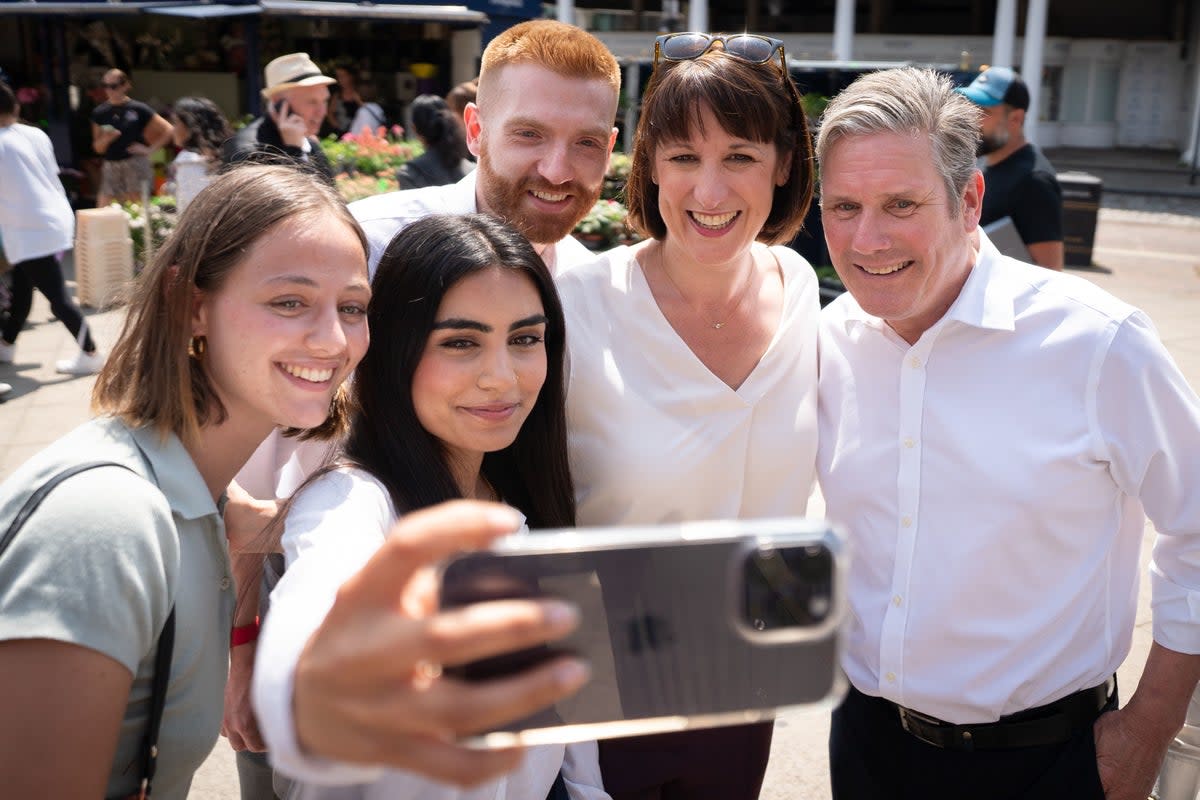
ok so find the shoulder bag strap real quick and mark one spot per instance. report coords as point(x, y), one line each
point(158, 702)
point(166, 638)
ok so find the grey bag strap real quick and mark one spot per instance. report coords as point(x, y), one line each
point(38, 496)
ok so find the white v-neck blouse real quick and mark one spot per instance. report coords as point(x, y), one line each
point(654, 436)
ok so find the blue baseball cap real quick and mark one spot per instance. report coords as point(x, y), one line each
point(997, 85)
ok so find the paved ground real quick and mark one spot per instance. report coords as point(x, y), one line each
point(1148, 253)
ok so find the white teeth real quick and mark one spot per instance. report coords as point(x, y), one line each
point(548, 197)
point(714, 220)
point(886, 270)
point(308, 374)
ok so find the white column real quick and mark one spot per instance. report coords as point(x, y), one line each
point(465, 47)
point(1191, 154)
point(566, 11)
point(1031, 63)
point(698, 16)
point(1005, 34)
point(843, 30)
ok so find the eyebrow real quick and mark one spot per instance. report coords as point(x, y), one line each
point(304, 280)
point(455, 323)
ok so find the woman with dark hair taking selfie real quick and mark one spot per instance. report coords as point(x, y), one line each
point(460, 396)
point(693, 375)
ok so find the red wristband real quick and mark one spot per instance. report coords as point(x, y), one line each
point(243, 634)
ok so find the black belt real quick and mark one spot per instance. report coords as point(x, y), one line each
point(1053, 723)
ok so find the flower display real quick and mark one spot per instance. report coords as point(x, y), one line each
point(162, 219)
point(378, 152)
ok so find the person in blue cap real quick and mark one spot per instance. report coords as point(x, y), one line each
point(1020, 183)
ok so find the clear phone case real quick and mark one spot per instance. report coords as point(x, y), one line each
point(685, 625)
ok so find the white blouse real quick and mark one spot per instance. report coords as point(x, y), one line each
point(192, 173)
point(654, 436)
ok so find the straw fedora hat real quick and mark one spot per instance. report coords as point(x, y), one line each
point(292, 70)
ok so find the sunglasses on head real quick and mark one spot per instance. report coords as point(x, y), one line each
point(747, 46)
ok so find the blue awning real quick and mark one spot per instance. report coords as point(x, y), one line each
point(398, 12)
point(80, 9)
point(205, 10)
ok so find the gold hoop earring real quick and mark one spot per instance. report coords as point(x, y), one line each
point(196, 347)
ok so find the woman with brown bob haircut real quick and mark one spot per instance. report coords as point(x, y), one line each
point(251, 316)
point(692, 390)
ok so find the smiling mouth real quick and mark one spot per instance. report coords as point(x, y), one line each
point(714, 222)
point(307, 373)
point(549, 197)
point(492, 412)
point(885, 269)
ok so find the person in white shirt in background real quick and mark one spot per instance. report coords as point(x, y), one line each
point(461, 396)
point(198, 129)
point(991, 436)
point(543, 131)
point(36, 226)
point(693, 367)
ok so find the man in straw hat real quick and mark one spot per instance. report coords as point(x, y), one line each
point(297, 97)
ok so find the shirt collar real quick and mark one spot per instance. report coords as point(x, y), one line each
point(175, 473)
point(984, 302)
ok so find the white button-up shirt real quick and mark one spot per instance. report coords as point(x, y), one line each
point(992, 478)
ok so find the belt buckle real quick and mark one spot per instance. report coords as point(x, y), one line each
point(907, 715)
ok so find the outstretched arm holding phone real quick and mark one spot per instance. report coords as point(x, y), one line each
point(363, 687)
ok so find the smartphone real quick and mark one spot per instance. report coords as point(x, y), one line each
point(277, 107)
point(685, 625)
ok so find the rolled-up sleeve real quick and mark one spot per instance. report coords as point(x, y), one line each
point(1149, 421)
point(332, 530)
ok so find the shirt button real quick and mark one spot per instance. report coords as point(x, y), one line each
point(906, 522)
point(891, 677)
point(909, 443)
point(224, 584)
point(897, 600)
point(914, 362)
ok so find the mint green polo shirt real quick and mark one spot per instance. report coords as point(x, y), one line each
point(99, 565)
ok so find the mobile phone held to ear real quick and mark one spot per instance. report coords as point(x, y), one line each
point(684, 626)
point(277, 107)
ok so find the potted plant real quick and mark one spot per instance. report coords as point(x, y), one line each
point(603, 225)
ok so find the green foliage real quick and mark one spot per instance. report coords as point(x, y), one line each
point(163, 216)
point(375, 153)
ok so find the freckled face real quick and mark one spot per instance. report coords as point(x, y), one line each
point(543, 142)
point(287, 326)
point(892, 238)
point(483, 365)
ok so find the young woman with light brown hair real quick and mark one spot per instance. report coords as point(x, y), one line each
point(251, 316)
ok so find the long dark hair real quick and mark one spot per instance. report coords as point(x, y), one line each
point(386, 439)
point(206, 125)
point(435, 123)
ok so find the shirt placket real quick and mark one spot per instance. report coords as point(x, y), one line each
point(908, 490)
